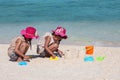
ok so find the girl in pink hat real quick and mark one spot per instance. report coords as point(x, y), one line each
point(49, 43)
point(20, 45)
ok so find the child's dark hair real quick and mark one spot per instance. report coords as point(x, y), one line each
point(56, 35)
point(64, 37)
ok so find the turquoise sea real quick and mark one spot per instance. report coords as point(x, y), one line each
point(88, 22)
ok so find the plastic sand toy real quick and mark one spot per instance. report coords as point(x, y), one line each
point(54, 59)
point(22, 63)
point(89, 59)
point(89, 50)
point(100, 58)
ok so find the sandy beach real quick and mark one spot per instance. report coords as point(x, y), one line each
point(87, 22)
point(71, 67)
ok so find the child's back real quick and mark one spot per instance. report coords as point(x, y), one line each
point(13, 43)
point(41, 42)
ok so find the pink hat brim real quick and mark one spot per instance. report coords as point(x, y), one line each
point(62, 35)
point(23, 32)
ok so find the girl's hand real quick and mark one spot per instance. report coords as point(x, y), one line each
point(53, 56)
point(26, 57)
point(61, 53)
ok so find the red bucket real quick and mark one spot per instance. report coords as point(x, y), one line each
point(89, 50)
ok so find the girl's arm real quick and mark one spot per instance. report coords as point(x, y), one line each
point(18, 43)
point(60, 52)
point(46, 45)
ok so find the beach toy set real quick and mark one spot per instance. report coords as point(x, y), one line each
point(89, 54)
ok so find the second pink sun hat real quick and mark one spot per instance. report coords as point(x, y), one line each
point(60, 31)
point(29, 32)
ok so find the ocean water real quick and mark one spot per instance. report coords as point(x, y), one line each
point(88, 22)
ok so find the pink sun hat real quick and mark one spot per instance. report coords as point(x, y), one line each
point(29, 32)
point(60, 31)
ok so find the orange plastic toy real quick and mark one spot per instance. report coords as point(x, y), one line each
point(89, 50)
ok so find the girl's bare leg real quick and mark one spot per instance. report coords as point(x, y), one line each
point(23, 49)
point(19, 59)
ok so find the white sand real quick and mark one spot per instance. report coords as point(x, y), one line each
point(71, 67)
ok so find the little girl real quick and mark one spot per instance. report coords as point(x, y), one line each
point(49, 43)
point(20, 45)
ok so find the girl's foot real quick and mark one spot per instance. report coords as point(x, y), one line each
point(19, 59)
point(26, 60)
